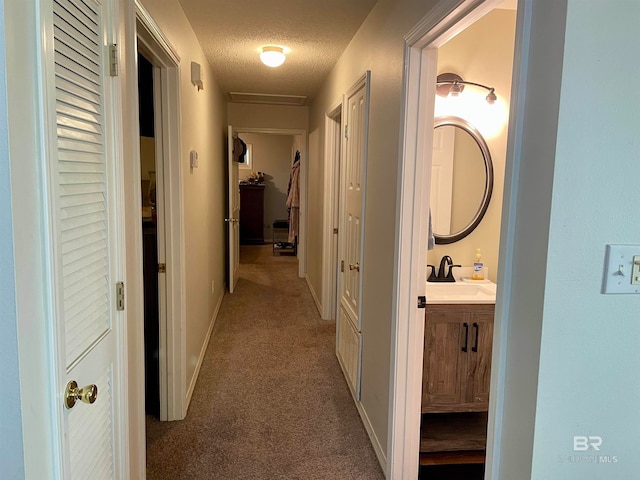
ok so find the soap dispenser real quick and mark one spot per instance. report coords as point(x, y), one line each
point(478, 267)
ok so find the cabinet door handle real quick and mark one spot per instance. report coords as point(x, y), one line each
point(466, 337)
point(477, 328)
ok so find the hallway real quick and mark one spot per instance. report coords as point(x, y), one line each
point(271, 401)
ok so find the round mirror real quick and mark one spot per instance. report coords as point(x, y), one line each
point(461, 179)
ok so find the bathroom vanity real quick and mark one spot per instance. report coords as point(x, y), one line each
point(456, 372)
point(457, 358)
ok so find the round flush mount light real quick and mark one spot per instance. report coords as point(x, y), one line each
point(272, 56)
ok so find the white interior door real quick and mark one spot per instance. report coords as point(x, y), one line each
point(442, 179)
point(82, 171)
point(233, 218)
point(352, 214)
point(349, 344)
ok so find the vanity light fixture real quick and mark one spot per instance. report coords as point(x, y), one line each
point(450, 84)
point(272, 56)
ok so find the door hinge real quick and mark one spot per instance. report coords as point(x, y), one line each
point(346, 131)
point(342, 266)
point(335, 231)
point(162, 268)
point(422, 301)
point(120, 296)
point(113, 60)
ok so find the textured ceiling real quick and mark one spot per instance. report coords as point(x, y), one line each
point(315, 32)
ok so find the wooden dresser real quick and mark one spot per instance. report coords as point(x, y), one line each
point(252, 214)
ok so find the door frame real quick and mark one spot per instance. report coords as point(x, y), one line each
point(333, 154)
point(443, 22)
point(155, 45)
point(233, 213)
point(304, 169)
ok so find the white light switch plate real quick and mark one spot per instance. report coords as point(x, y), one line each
point(620, 272)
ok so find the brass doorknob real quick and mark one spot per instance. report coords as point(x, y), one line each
point(86, 394)
point(355, 267)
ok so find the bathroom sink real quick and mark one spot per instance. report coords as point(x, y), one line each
point(460, 292)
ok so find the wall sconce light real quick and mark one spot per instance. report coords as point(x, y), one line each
point(196, 76)
point(450, 84)
point(272, 56)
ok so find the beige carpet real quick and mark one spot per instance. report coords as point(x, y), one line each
point(271, 401)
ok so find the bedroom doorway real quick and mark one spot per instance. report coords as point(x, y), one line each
point(152, 235)
point(265, 178)
point(165, 215)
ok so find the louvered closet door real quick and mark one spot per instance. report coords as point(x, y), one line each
point(81, 167)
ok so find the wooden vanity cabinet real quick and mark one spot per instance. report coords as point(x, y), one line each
point(457, 358)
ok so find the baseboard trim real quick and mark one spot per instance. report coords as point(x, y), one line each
point(373, 438)
point(377, 447)
point(203, 351)
point(313, 295)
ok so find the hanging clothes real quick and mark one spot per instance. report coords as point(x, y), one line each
point(293, 199)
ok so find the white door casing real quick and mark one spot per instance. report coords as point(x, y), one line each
point(331, 211)
point(233, 218)
point(351, 237)
point(83, 166)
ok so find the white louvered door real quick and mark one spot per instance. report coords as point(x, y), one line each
point(82, 193)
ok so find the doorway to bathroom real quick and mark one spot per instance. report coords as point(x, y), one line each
point(475, 44)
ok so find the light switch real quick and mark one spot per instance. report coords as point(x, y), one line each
point(635, 271)
point(622, 269)
point(193, 159)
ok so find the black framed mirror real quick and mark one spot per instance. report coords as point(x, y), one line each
point(461, 180)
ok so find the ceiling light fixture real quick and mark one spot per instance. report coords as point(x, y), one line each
point(450, 84)
point(272, 56)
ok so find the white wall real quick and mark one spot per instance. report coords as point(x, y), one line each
point(203, 129)
point(589, 359)
point(11, 456)
point(271, 155)
point(483, 53)
point(251, 115)
point(575, 177)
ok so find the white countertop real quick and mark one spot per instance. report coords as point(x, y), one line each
point(465, 291)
